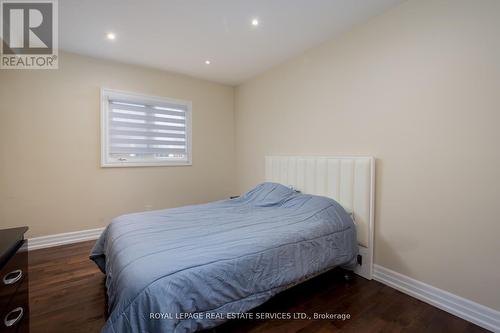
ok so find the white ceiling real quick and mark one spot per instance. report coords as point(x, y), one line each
point(179, 35)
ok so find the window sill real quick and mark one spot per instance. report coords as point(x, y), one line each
point(144, 164)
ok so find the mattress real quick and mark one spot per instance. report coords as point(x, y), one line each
point(191, 268)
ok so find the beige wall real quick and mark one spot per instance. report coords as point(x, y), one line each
point(50, 177)
point(419, 88)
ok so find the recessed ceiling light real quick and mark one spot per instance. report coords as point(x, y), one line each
point(255, 22)
point(110, 36)
point(207, 62)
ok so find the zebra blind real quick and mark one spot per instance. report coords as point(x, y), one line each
point(145, 131)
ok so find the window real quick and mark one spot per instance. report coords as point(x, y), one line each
point(139, 130)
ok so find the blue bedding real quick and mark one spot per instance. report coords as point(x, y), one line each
point(189, 268)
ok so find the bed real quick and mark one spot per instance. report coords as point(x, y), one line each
point(192, 268)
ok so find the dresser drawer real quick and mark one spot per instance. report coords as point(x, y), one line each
point(15, 317)
point(11, 277)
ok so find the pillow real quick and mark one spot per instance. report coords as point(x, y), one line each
point(350, 213)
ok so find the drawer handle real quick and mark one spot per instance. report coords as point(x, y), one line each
point(12, 277)
point(12, 321)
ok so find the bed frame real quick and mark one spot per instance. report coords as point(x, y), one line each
point(349, 180)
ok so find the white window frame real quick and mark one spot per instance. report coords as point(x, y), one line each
point(107, 161)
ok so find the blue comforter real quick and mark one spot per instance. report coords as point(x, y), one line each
point(189, 268)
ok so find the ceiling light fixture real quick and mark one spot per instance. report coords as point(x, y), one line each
point(110, 36)
point(255, 22)
point(207, 62)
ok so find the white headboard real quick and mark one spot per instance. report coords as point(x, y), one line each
point(348, 180)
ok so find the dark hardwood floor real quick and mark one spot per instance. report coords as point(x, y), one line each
point(67, 295)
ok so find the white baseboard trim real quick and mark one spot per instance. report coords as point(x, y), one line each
point(461, 307)
point(62, 239)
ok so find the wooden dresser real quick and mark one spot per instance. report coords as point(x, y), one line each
point(14, 301)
